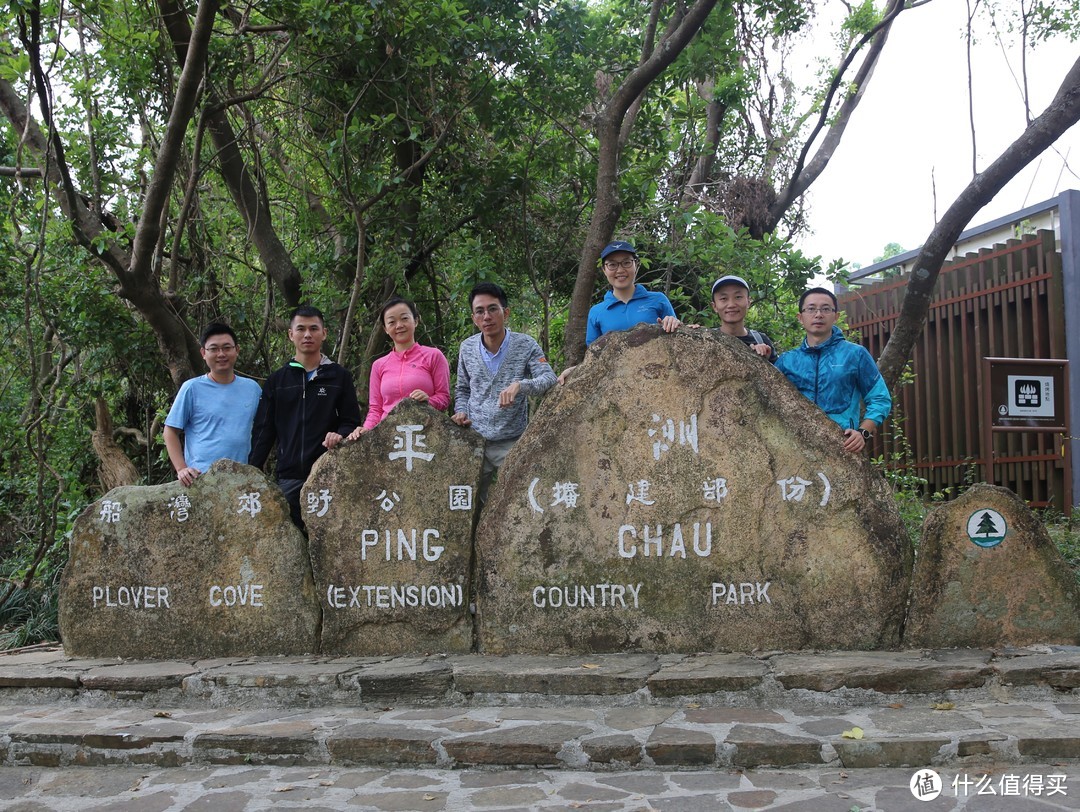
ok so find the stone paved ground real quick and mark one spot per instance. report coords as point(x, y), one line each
point(246, 789)
point(613, 732)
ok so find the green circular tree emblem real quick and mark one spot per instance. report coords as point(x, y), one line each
point(986, 527)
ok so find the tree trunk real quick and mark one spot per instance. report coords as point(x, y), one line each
point(253, 206)
point(608, 207)
point(1061, 114)
point(114, 467)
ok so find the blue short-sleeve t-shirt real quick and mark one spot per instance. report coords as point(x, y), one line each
point(644, 307)
point(216, 419)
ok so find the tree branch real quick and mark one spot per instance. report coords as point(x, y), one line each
point(804, 173)
point(1061, 114)
point(187, 91)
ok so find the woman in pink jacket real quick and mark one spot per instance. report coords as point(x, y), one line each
point(411, 370)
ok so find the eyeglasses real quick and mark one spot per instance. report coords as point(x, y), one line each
point(491, 310)
point(626, 264)
point(825, 311)
point(215, 348)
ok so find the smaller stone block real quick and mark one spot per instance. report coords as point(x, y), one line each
point(390, 527)
point(527, 744)
point(676, 745)
point(214, 570)
point(708, 673)
point(987, 574)
point(618, 747)
point(759, 746)
point(856, 754)
point(592, 675)
point(381, 744)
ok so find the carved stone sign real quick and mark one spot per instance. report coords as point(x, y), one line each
point(390, 525)
point(987, 575)
point(678, 494)
point(213, 570)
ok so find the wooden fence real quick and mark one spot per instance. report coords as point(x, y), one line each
point(1004, 301)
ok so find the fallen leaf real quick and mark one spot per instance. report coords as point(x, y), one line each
point(590, 665)
point(854, 733)
point(895, 705)
point(429, 797)
point(694, 705)
point(284, 789)
point(942, 705)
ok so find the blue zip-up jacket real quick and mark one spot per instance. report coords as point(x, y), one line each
point(297, 413)
point(840, 377)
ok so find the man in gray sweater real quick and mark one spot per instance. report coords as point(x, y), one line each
point(498, 370)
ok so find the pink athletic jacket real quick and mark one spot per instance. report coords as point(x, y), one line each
point(397, 374)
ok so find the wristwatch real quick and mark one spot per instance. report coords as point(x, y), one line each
point(867, 435)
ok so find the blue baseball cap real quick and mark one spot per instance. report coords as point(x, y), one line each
point(618, 245)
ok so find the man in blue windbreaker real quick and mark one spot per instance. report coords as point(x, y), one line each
point(837, 375)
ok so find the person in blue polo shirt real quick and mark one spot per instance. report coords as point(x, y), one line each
point(627, 303)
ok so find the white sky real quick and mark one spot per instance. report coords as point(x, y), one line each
point(911, 131)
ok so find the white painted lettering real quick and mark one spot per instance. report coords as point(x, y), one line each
point(584, 596)
point(652, 543)
point(718, 591)
point(706, 550)
point(617, 591)
point(431, 551)
point(243, 595)
point(748, 592)
point(405, 545)
point(134, 597)
point(368, 538)
point(397, 596)
point(678, 548)
point(401, 544)
point(649, 541)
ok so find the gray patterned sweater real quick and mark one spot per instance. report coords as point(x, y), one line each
point(476, 393)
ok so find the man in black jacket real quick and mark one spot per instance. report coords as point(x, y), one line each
point(307, 406)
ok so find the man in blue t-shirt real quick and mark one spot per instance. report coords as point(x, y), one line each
point(627, 303)
point(211, 417)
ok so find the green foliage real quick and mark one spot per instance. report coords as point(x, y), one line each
point(409, 146)
point(1065, 533)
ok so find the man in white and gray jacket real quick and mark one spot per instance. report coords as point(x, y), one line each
point(497, 371)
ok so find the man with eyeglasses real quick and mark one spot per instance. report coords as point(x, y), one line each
point(627, 304)
point(497, 371)
point(211, 417)
point(836, 374)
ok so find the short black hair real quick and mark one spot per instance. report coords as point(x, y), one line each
point(308, 312)
point(812, 291)
point(393, 301)
point(216, 328)
point(489, 289)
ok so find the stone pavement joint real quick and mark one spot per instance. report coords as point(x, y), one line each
point(843, 710)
